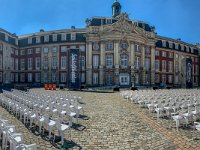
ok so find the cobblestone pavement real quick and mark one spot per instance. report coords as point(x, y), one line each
point(111, 123)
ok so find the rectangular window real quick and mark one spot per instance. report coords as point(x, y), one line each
point(16, 64)
point(29, 77)
point(30, 61)
point(73, 36)
point(6, 37)
point(137, 48)
point(30, 51)
point(53, 77)
point(22, 77)
point(16, 77)
point(37, 77)
point(46, 38)
point(37, 50)
point(63, 37)
point(22, 64)
point(0, 76)
point(109, 46)
point(54, 49)
point(54, 37)
point(12, 63)
point(16, 42)
point(63, 48)
point(177, 46)
point(46, 63)
point(170, 45)
point(156, 53)
point(38, 39)
point(157, 65)
point(163, 54)
point(22, 52)
point(46, 50)
point(16, 52)
point(176, 67)
point(187, 49)
point(83, 62)
point(137, 79)
point(12, 51)
point(147, 51)
point(45, 77)
point(170, 66)
point(95, 78)
point(95, 61)
point(54, 62)
point(29, 40)
point(63, 62)
point(163, 78)
point(176, 79)
point(63, 77)
point(164, 43)
point(109, 79)
point(171, 55)
point(37, 63)
point(109, 60)
point(137, 63)
point(182, 47)
point(147, 63)
point(163, 65)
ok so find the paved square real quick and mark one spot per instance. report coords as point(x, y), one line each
point(110, 122)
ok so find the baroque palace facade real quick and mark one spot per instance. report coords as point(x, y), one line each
point(112, 51)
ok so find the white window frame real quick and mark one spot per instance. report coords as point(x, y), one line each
point(137, 63)
point(30, 51)
point(55, 37)
point(37, 77)
point(6, 37)
point(163, 78)
point(54, 49)
point(157, 65)
point(163, 53)
point(109, 60)
point(163, 65)
point(124, 60)
point(46, 38)
point(54, 62)
point(63, 77)
point(164, 43)
point(95, 60)
point(63, 37)
point(82, 48)
point(38, 50)
point(63, 48)
point(30, 40)
point(37, 63)
point(147, 63)
point(45, 77)
point(95, 78)
point(45, 49)
point(109, 45)
point(63, 62)
point(73, 36)
point(30, 77)
point(30, 63)
point(82, 77)
point(22, 64)
point(46, 63)
point(38, 40)
point(53, 77)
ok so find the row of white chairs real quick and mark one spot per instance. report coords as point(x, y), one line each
point(180, 105)
point(43, 110)
point(9, 135)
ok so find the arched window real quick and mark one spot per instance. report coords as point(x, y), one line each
point(124, 60)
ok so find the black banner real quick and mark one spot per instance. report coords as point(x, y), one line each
point(189, 71)
point(74, 69)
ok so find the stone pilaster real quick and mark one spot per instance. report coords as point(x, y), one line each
point(116, 62)
point(143, 64)
point(132, 61)
point(102, 64)
point(89, 64)
point(152, 65)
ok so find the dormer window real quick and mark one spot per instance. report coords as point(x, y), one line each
point(170, 45)
point(38, 39)
point(29, 40)
point(63, 37)
point(46, 38)
point(164, 43)
point(6, 38)
point(177, 46)
point(187, 49)
point(54, 37)
point(73, 36)
point(182, 47)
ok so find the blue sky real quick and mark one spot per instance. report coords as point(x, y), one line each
point(172, 18)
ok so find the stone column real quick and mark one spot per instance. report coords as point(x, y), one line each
point(143, 64)
point(132, 62)
point(102, 64)
point(89, 63)
point(116, 62)
point(152, 65)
